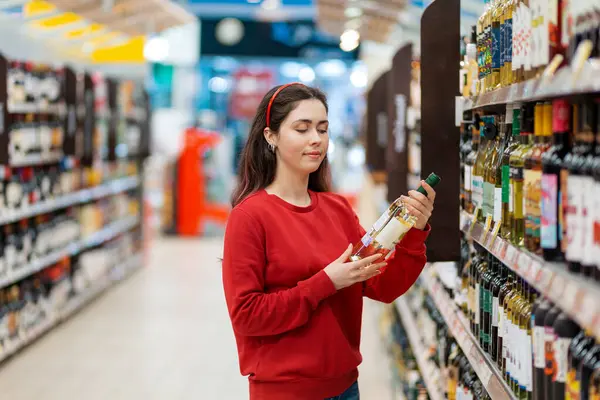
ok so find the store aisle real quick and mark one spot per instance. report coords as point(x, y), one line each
point(162, 334)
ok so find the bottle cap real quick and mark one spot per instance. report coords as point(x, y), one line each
point(432, 180)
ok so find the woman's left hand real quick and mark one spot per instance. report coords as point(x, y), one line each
point(419, 205)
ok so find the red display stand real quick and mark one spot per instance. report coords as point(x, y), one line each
point(192, 207)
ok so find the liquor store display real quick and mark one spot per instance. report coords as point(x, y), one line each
point(71, 194)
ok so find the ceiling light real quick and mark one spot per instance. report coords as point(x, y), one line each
point(306, 75)
point(348, 45)
point(353, 12)
point(350, 35)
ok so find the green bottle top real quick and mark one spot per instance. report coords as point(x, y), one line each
point(432, 180)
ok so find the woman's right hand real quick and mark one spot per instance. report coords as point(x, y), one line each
point(344, 274)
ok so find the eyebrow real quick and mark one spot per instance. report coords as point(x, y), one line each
point(309, 121)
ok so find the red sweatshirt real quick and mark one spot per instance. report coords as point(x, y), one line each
point(298, 338)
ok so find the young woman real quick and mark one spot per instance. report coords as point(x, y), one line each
point(294, 298)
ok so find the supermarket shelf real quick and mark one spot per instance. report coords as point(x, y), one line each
point(458, 324)
point(576, 296)
point(36, 159)
point(71, 199)
point(562, 84)
point(73, 305)
point(426, 367)
point(112, 230)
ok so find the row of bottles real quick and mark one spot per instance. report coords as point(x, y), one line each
point(536, 171)
point(516, 40)
point(35, 300)
point(540, 351)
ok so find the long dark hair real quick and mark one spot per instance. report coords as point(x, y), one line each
point(258, 162)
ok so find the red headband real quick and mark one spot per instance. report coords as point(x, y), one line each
point(273, 99)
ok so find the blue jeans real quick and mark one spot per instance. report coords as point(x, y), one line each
point(350, 394)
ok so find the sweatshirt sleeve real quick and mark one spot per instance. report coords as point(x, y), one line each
point(403, 269)
point(252, 311)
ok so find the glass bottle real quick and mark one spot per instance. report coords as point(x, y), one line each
point(390, 228)
point(490, 163)
point(527, 358)
point(529, 175)
point(497, 281)
point(469, 167)
point(482, 305)
point(565, 331)
point(517, 164)
point(594, 388)
point(550, 341)
point(505, 288)
point(478, 170)
point(575, 186)
point(495, 15)
point(507, 190)
point(581, 352)
point(465, 150)
point(552, 189)
point(488, 277)
point(505, 136)
point(539, 351)
point(487, 27)
point(514, 336)
point(595, 248)
point(588, 259)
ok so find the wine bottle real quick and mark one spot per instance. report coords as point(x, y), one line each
point(565, 330)
point(538, 349)
point(507, 189)
point(390, 228)
point(550, 342)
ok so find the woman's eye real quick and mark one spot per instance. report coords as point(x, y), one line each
point(323, 131)
point(302, 130)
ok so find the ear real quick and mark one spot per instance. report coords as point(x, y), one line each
point(270, 136)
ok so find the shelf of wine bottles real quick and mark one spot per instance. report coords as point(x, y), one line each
point(110, 231)
point(8, 215)
point(428, 369)
point(575, 295)
point(45, 306)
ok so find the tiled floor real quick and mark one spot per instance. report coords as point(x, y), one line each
point(163, 334)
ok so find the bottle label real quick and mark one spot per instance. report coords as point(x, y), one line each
point(508, 32)
point(496, 46)
point(367, 239)
point(549, 237)
point(535, 200)
point(511, 198)
point(552, 38)
point(477, 191)
point(392, 233)
point(561, 356)
point(488, 194)
point(550, 366)
point(539, 347)
point(528, 202)
point(497, 204)
point(478, 301)
point(562, 210)
point(528, 370)
point(468, 178)
point(505, 184)
point(596, 232)
point(502, 45)
point(500, 319)
point(515, 40)
point(516, 175)
point(574, 214)
point(587, 222)
point(495, 314)
point(381, 221)
point(488, 49)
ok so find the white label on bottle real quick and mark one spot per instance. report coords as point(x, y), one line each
point(515, 41)
point(366, 239)
point(511, 200)
point(495, 309)
point(381, 221)
point(392, 233)
point(468, 177)
point(528, 371)
point(588, 219)
point(527, 45)
point(574, 218)
point(497, 204)
point(561, 356)
point(477, 191)
point(500, 321)
point(477, 305)
point(539, 346)
point(505, 334)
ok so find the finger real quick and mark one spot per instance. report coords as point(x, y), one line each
point(416, 204)
point(372, 271)
point(419, 196)
point(364, 262)
point(430, 192)
point(345, 254)
point(417, 213)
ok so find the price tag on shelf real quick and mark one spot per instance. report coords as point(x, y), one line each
point(536, 271)
point(556, 289)
point(590, 309)
point(495, 232)
point(546, 278)
point(510, 256)
point(572, 297)
point(523, 264)
point(474, 220)
point(479, 365)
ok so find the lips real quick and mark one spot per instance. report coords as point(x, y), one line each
point(314, 153)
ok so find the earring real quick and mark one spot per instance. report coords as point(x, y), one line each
point(272, 147)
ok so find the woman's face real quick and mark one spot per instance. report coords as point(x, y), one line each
point(303, 137)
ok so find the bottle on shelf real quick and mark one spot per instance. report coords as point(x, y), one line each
point(479, 170)
point(507, 188)
point(578, 354)
point(594, 387)
point(534, 177)
point(470, 161)
point(552, 183)
point(588, 260)
point(529, 175)
point(510, 336)
point(595, 234)
point(576, 185)
point(465, 149)
point(486, 285)
point(489, 168)
point(549, 346)
point(539, 351)
point(565, 331)
point(497, 45)
point(505, 289)
point(390, 228)
point(527, 354)
point(517, 164)
point(505, 136)
point(497, 282)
